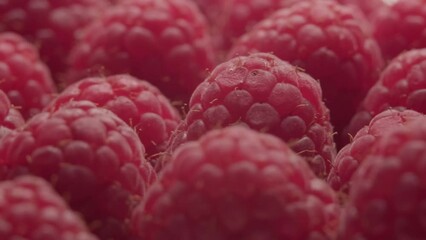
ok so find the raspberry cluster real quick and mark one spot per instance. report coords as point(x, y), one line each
point(212, 120)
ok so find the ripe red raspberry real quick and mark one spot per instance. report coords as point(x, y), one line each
point(10, 118)
point(165, 42)
point(30, 209)
point(136, 102)
point(231, 19)
point(50, 24)
point(352, 155)
point(24, 78)
point(236, 183)
point(400, 27)
point(268, 95)
point(330, 42)
point(402, 85)
point(90, 156)
point(388, 195)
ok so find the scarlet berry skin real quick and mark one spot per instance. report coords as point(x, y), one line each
point(137, 102)
point(331, 42)
point(268, 95)
point(400, 27)
point(31, 209)
point(235, 183)
point(91, 157)
point(388, 195)
point(402, 85)
point(50, 24)
point(165, 42)
point(10, 118)
point(24, 78)
point(354, 154)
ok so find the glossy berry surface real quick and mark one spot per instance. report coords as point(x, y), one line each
point(90, 156)
point(31, 209)
point(24, 78)
point(235, 183)
point(350, 157)
point(165, 42)
point(388, 195)
point(329, 41)
point(138, 103)
point(269, 95)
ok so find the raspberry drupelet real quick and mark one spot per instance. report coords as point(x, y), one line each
point(402, 85)
point(10, 118)
point(268, 95)
point(91, 157)
point(51, 25)
point(236, 183)
point(331, 42)
point(388, 194)
point(165, 42)
point(138, 103)
point(31, 209)
point(24, 78)
point(351, 156)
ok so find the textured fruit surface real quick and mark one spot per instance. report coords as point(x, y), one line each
point(91, 157)
point(138, 103)
point(330, 42)
point(231, 19)
point(400, 27)
point(24, 78)
point(10, 118)
point(402, 85)
point(352, 155)
point(165, 42)
point(268, 95)
point(388, 195)
point(30, 209)
point(368, 7)
point(52, 25)
point(235, 183)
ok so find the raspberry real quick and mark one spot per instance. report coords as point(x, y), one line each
point(90, 156)
point(268, 95)
point(136, 102)
point(235, 183)
point(388, 195)
point(165, 42)
point(330, 42)
point(352, 155)
point(10, 118)
point(400, 27)
point(402, 85)
point(231, 19)
point(30, 209)
point(50, 24)
point(24, 78)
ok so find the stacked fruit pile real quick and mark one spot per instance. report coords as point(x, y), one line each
point(212, 120)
